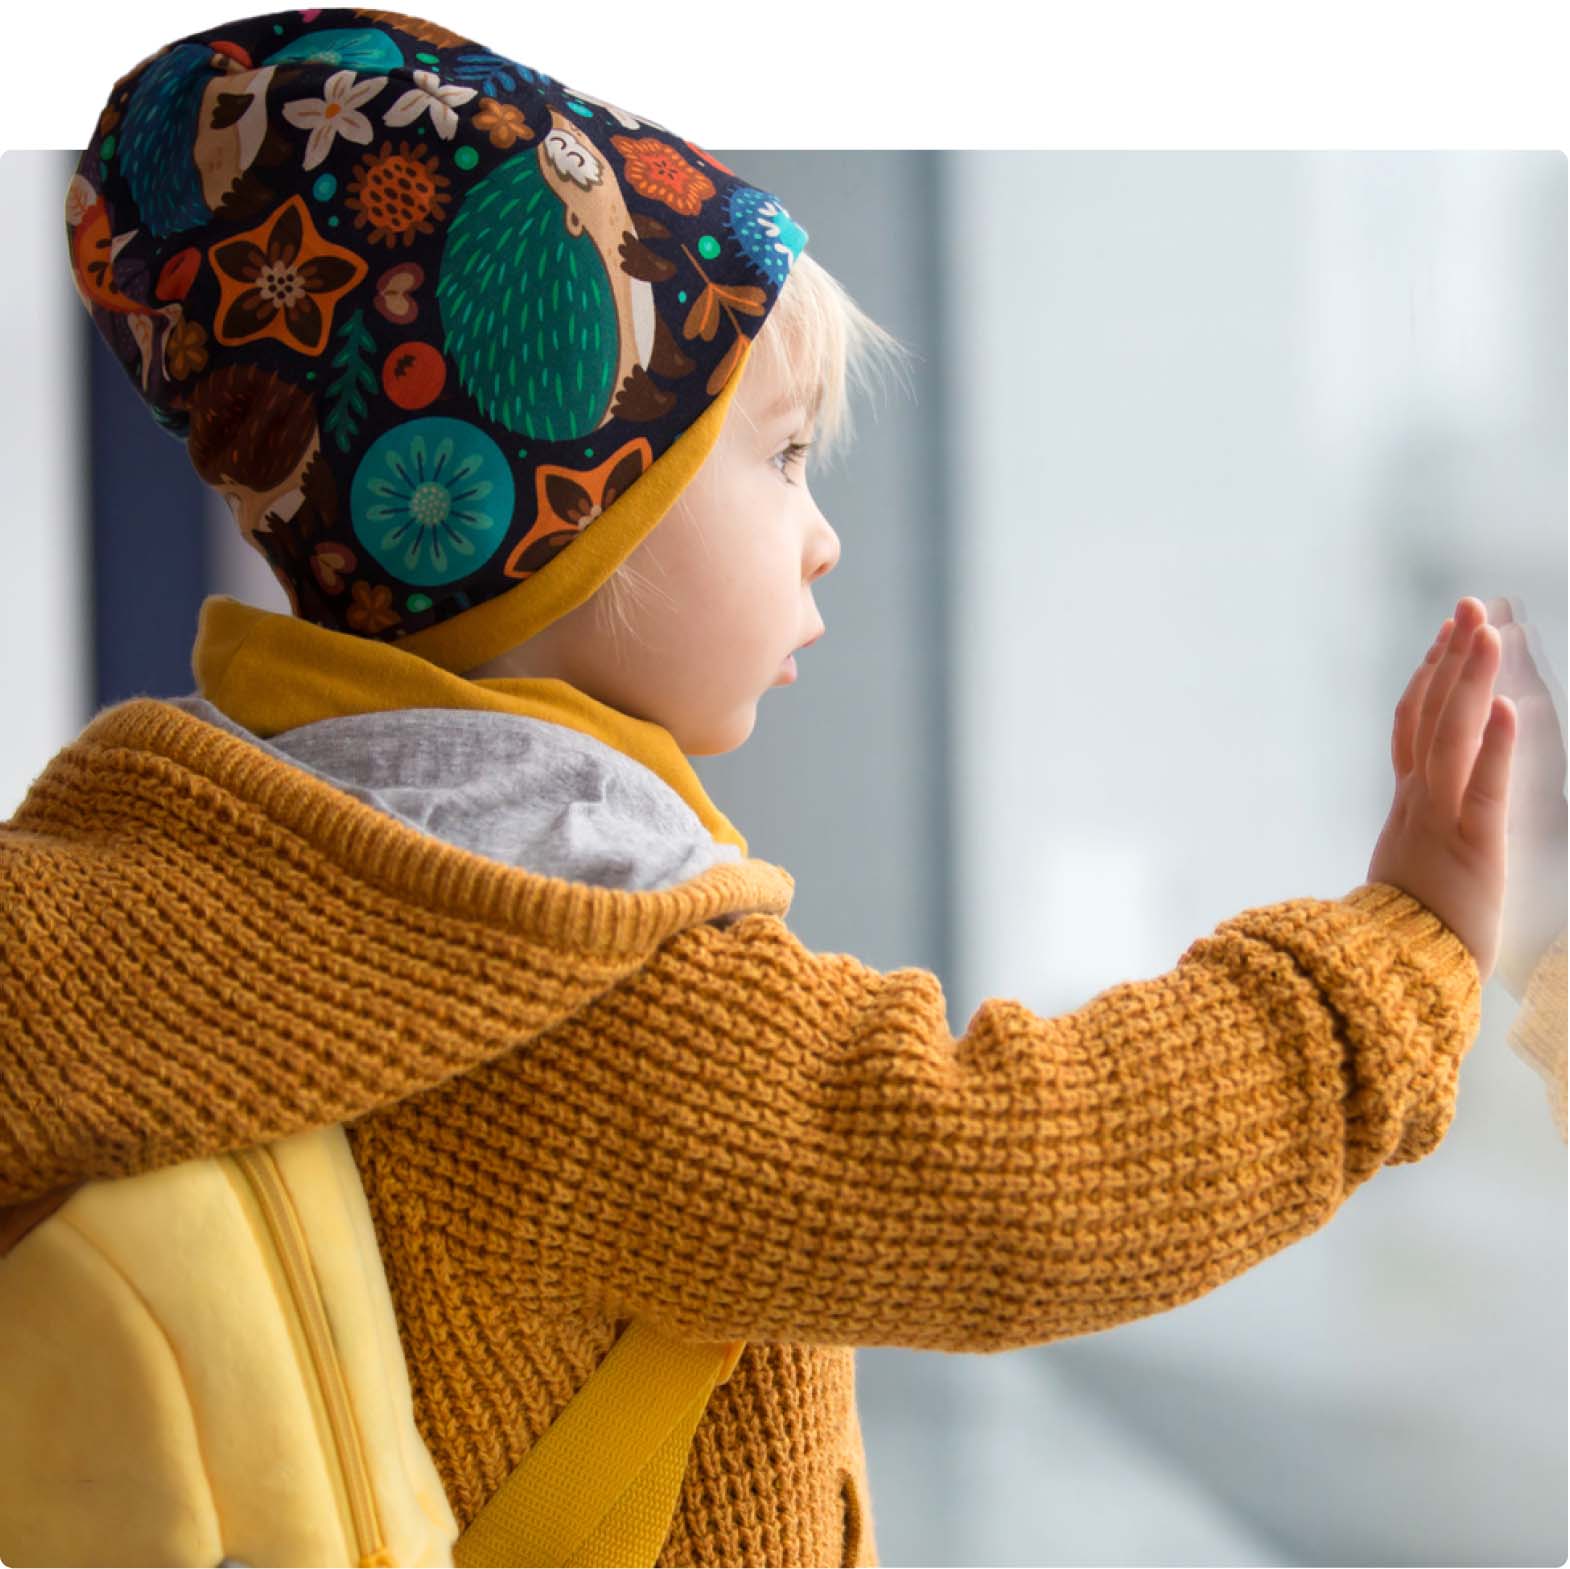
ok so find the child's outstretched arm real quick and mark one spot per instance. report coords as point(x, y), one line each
point(748, 1139)
point(751, 1140)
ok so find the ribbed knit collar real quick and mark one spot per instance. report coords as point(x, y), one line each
point(271, 672)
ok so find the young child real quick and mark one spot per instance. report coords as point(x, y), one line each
point(512, 387)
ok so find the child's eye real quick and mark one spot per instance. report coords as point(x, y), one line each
point(793, 453)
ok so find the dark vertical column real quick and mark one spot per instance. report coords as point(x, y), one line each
point(148, 564)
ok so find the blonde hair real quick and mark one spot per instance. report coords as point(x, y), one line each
point(820, 341)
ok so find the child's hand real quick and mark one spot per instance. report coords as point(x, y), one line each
point(1444, 842)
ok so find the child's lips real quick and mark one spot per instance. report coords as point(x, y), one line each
point(788, 667)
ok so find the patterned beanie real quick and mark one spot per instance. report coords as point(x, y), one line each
point(421, 314)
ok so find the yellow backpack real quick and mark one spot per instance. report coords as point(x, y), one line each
point(202, 1363)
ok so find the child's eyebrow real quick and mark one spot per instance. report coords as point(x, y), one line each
point(786, 403)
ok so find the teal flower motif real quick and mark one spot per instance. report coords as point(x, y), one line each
point(768, 236)
point(432, 500)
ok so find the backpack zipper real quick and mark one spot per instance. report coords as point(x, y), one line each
point(261, 1170)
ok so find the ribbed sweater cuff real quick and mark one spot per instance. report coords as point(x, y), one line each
point(1443, 958)
point(1439, 971)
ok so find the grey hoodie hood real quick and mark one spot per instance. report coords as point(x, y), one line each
point(524, 791)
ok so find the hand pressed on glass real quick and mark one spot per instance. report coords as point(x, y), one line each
point(1444, 840)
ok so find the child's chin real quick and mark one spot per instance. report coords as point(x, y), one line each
point(724, 734)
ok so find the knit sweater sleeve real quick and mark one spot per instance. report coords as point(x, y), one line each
point(751, 1140)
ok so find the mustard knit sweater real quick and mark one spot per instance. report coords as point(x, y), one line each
point(571, 1105)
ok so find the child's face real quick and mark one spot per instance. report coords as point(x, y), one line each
point(728, 575)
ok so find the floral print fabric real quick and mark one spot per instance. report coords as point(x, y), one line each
point(282, 280)
point(419, 311)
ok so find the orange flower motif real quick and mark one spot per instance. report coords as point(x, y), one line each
point(398, 195)
point(185, 349)
point(372, 609)
point(654, 169)
point(505, 123)
point(567, 501)
point(281, 280)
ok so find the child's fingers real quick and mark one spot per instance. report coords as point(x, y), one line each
point(1468, 617)
point(1452, 757)
point(1485, 805)
point(1403, 734)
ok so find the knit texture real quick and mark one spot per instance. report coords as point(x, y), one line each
point(571, 1106)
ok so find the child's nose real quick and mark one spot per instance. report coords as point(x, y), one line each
point(826, 551)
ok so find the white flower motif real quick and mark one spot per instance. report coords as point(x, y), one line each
point(430, 93)
point(338, 114)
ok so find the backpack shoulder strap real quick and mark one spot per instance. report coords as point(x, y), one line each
point(601, 1484)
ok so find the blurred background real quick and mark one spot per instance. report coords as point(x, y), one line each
point(1196, 453)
